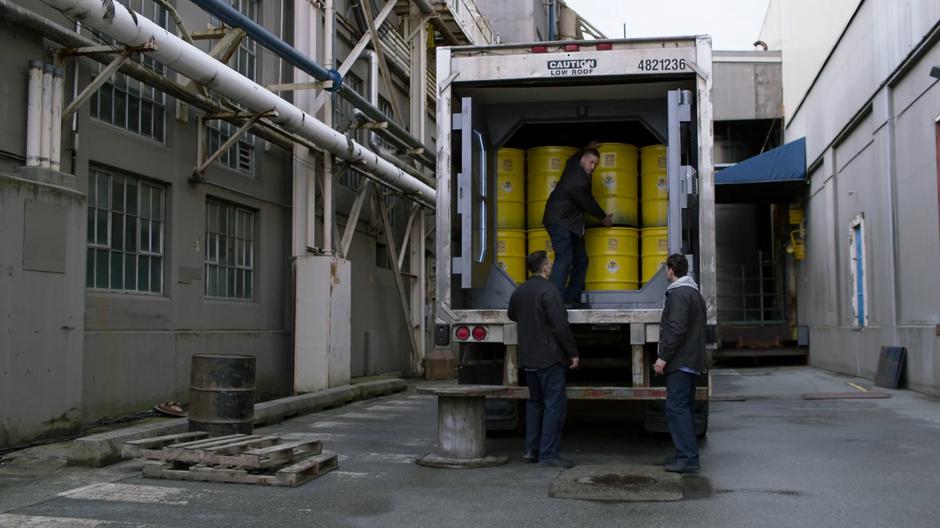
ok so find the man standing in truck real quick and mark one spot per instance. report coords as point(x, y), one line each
point(564, 221)
point(546, 347)
point(682, 360)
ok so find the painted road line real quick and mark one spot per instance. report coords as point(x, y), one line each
point(115, 492)
point(12, 520)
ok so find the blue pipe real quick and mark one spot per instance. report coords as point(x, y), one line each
point(234, 18)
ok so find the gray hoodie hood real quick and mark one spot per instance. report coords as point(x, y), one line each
point(683, 281)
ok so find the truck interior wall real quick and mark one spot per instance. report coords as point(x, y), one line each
point(562, 116)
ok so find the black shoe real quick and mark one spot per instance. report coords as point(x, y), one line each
point(681, 467)
point(576, 305)
point(529, 458)
point(557, 462)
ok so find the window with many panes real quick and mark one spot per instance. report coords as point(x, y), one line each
point(128, 103)
point(125, 233)
point(241, 155)
point(230, 250)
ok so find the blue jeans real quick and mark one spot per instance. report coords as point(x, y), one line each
point(680, 397)
point(545, 411)
point(571, 262)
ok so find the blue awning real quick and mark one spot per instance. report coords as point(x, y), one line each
point(782, 164)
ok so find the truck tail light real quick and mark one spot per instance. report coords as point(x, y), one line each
point(605, 46)
point(572, 47)
point(539, 49)
point(462, 333)
point(479, 333)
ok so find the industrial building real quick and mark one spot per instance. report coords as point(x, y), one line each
point(860, 84)
point(147, 215)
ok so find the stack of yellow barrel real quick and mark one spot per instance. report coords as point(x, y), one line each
point(613, 258)
point(510, 212)
point(544, 166)
point(613, 251)
point(614, 183)
point(654, 206)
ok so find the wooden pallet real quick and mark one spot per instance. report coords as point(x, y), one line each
point(292, 475)
point(279, 460)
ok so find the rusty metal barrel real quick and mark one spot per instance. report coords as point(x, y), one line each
point(222, 393)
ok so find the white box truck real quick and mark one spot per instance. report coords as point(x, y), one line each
point(638, 92)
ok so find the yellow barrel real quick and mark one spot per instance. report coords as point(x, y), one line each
point(510, 252)
point(544, 166)
point(614, 183)
point(654, 248)
point(654, 195)
point(539, 240)
point(613, 258)
point(510, 188)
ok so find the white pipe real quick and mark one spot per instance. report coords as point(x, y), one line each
point(45, 126)
point(192, 62)
point(328, 219)
point(55, 112)
point(33, 114)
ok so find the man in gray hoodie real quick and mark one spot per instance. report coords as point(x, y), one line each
point(682, 359)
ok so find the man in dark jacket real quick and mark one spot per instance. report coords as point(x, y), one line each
point(564, 221)
point(681, 359)
point(546, 347)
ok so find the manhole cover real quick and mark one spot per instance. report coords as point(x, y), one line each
point(617, 483)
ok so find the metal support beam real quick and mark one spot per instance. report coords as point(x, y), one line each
point(177, 20)
point(210, 34)
point(383, 64)
point(197, 176)
point(418, 81)
point(293, 87)
point(640, 374)
point(96, 83)
point(353, 220)
point(396, 272)
point(415, 211)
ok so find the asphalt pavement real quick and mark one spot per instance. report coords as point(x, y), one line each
point(771, 458)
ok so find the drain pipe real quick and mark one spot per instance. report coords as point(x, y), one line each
point(55, 114)
point(231, 16)
point(113, 19)
point(34, 114)
point(45, 122)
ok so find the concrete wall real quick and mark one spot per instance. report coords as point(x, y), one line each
point(42, 257)
point(806, 30)
point(870, 130)
point(517, 21)
point(747, 85)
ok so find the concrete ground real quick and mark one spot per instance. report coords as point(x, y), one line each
point(773, 459)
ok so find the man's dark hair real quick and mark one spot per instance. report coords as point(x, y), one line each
point(535, 261)
point(678, 264)
point(592, 151)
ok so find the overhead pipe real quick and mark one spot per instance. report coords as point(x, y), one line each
point(231, 16)
point(34, 114)
point(116, 21)
point(16, 15)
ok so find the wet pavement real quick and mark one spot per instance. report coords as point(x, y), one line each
point(770, 459)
